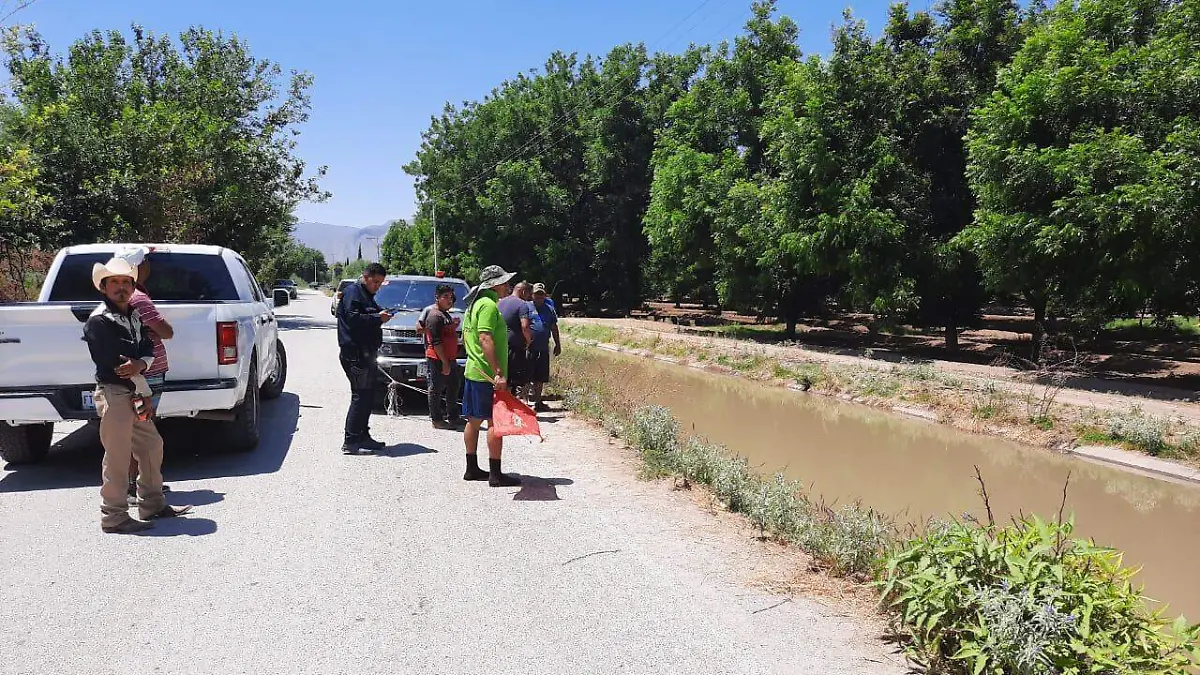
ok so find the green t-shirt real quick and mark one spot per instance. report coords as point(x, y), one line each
point(483, 316)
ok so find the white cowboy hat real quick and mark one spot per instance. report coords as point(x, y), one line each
point(117, 267)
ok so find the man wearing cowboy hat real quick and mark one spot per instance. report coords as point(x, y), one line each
point(122, 351)
point(485, 337)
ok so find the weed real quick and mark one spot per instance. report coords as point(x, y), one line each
point(743, 363)
point(1027, 598)
point(1043, 422)
point(985, 411)
point(589, 331)
point(655, 434)
point(1144, 432)
point(872, 382)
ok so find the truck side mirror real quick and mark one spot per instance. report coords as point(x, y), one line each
point(281, 297)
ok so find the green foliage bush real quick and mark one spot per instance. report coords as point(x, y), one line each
point(1027, 599)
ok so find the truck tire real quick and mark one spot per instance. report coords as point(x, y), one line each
point(242, 432)
point(25, 444)
point(273, 388)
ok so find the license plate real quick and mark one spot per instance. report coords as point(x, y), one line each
point(422, 370)
point(88, 402)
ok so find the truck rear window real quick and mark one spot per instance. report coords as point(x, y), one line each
point(173, 276)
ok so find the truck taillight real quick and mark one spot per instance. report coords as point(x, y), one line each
point(227, 339)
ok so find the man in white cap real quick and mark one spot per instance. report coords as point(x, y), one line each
point(159, 330)
point(485, 337)
point(121, 349)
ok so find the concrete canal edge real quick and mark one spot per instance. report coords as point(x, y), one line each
point(1101, 454)
point(1136, 462)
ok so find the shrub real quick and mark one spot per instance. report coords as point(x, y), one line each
point(1027, 598)
point(872, 382)
point(655, 434)
point(1145, 432)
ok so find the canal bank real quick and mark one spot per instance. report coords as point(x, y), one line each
point(913, 470)
point(1032, 408)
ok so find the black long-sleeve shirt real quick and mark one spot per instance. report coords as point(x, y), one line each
point(113, 336)
point(360, 328)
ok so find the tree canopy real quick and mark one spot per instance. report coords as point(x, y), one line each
point(148, 138)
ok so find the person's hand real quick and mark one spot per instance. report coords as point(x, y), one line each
point(385, 316)
point(557, 349)
point(130, 368)
point(500, 383)
point(446, 368)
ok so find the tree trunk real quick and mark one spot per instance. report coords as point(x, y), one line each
point(952, 335)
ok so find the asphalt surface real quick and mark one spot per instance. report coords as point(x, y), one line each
point(298, 559)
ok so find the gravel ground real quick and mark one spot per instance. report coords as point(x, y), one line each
point(301, 560)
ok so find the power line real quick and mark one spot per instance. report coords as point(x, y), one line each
point(20, 6)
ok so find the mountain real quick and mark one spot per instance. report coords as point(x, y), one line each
point(339, 242)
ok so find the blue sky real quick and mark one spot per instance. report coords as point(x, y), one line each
point(382, 68)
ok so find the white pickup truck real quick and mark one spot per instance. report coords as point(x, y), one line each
point(224, 358)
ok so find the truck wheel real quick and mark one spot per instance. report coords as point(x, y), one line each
point(273, 388)
point(242, 432)
point(25, 444)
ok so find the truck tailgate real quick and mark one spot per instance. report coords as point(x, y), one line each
point(42, 344)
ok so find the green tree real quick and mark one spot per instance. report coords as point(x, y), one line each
point(1086, 162)
point(704, 217)
point(149, 139)
point(26, 221)
point(549, 174)
point(408, 248)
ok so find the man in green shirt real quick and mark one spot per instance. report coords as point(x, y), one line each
point(485, 337)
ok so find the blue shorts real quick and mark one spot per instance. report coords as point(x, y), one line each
point(477, 400)
point(156, 383)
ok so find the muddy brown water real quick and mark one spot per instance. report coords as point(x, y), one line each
point(915, 470)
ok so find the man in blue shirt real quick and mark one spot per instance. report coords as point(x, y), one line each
point(360, 333)
point(543, 326)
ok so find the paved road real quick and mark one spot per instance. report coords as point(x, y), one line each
point(301, 560)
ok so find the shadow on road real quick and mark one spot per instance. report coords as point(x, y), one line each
point(288, 323)
point(181, 527)
point(535, 489)
point(404, 450)
point(189, 454)
point(194, 497)
point(192, 455)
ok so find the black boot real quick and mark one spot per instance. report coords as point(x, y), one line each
point(498, 479)
point(473, 470)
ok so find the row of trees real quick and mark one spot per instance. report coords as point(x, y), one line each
point(983, 149)
point(150, 139)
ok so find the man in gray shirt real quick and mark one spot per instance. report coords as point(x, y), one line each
point(517, 312)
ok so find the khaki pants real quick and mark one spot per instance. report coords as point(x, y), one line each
point(123, 437)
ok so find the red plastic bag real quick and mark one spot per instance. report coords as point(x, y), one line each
point(510, 417)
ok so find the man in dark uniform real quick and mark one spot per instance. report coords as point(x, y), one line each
point(360, 333)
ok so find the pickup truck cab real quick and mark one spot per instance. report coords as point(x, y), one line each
point(402, 354)
point(289, 286)
point(224, 358)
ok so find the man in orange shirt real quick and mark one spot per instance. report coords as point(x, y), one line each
point(441, 352)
